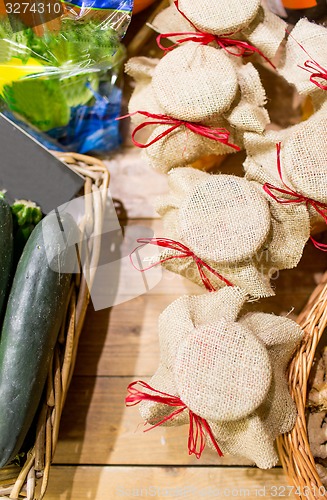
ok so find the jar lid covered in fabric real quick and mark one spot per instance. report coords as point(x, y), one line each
point(222, 371)
point(222, 16)
point(225, 218)
point(186, 86)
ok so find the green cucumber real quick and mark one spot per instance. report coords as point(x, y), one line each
point(34, 314)
point(6, 250)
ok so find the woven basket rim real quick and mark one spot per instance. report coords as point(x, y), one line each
point(293, 447)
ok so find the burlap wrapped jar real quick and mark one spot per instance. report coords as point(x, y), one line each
point(184, 87)
point(179, 147)
point(303, 163)
point(248, 21)
point(227, 222)
point(305, 50)
point(228, 370)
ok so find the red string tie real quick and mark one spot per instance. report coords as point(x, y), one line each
point(320, 208)
point(317, 71)
point(242, 48)
point(216, 134)
point(183, 252)
point(199, 427)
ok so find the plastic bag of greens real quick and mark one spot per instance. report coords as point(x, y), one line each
point(52, 71)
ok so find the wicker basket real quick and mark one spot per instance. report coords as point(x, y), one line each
point(293, 447)
point(30, 481)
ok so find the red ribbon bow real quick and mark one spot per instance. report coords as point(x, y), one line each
point(317, 71)
point(183, 253)
point(216, 134)
point(198, 426)
point(243, 49)
point(320, 208)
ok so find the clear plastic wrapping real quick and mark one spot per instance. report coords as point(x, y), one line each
point(55, 72)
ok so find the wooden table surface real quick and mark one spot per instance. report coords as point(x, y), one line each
point(102, 452)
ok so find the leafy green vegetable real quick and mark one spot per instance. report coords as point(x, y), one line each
point(77, 89)
point(26, 215)
point(78, 44)
point(97, 45)
point(14, 43)
point(42, 102)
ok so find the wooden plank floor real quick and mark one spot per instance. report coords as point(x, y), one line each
point(102, 452)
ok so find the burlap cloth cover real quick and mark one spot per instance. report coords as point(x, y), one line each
point(303, 162)
point(226, 221)
point(195, 83)
point(141, 69)
point(249, 113)
point(245, 20)
point(228, 370)
point(169, 20)
point(313, 39)
point(220, 17)
point(266, 32)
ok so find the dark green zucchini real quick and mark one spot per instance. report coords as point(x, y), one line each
point(6, 250)
point(31, 325)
